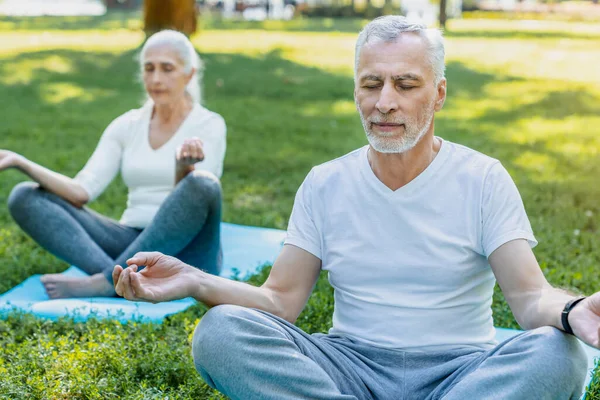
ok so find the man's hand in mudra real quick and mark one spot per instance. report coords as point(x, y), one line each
point(164, 278)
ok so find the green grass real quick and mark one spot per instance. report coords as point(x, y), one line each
point(524, 96)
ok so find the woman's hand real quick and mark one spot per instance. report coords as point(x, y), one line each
point(165, 278)
point(9, 159)
point(189, 153)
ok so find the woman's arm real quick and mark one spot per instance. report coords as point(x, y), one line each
point(51, 181)
point(214, 145)
point(188, 154)
point(104, 164)
point(205, 152)
point(91, 181)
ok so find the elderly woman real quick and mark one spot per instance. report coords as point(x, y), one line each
point(170, 154)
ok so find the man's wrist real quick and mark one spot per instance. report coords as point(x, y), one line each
point(567, 311)
point(198, 281)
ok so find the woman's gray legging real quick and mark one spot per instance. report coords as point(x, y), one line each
point(187, 226)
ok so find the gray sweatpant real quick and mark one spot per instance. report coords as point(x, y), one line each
point(187, 225)
point(249, 354)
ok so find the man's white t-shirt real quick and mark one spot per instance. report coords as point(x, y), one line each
point(409, 267)
point(149, 173)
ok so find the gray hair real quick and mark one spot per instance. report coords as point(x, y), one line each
point(388, 28)
point(178, 42)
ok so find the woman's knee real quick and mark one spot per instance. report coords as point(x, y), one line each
point(20, 196)
point(203, 183)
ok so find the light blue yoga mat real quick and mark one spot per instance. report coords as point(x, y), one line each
point(245, 250)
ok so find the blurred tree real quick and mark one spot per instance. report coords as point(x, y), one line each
point(388, 7)
point(443, 15)
point(180, 15)
point(122, 4)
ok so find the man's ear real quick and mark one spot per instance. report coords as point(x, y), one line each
point(441, 94)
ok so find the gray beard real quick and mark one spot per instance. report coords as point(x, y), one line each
point(397, 145)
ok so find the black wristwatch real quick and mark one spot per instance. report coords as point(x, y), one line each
point(565, 314)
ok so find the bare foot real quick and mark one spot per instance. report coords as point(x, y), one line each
point(59, 286)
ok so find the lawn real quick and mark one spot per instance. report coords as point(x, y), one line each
point(527, 93)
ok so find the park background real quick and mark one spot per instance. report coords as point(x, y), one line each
point(523, 87)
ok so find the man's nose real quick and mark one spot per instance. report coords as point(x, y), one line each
point(388, 99)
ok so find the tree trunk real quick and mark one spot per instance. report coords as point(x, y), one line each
point(388, 8)
point(179, 15)
point(443, 16)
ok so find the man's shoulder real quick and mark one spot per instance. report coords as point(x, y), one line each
point(465, 160)
point(345, 165)
point(463, 152)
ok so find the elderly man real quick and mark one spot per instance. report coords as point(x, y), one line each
point(414, 231)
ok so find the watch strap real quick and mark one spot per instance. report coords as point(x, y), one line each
point(565, 313)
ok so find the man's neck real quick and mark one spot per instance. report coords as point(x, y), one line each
point(395, 170)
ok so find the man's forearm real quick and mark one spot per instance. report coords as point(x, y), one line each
point(544, 308)
point(213, 290)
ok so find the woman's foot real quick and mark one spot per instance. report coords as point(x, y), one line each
point(59, 286)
